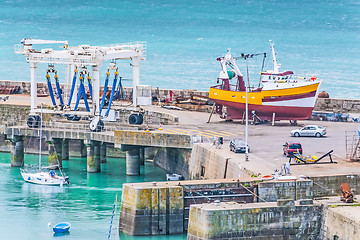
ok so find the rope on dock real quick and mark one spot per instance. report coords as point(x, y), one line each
point(252, 192)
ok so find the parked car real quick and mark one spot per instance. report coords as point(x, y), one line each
point(290, 148)
point(238, 146)
point(309, 130)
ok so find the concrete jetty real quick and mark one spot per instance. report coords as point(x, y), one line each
point(240, 208)
point(187, 145)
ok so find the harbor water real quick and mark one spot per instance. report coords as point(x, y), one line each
point(184, 37)
point(29, 211)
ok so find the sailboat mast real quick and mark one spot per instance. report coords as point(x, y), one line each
point(40, 137)
point(276, 66)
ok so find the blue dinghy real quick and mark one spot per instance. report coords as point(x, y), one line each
point(62, 227)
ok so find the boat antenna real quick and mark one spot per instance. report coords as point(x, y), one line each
point(276, 65)
point(262, 68)
point(40, 135)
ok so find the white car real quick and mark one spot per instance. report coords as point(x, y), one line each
point(309, 130)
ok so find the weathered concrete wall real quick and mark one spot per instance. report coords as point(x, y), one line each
point(201, 162)
point(256, 221)
point(174, 160)
point(271, 191)
point(263, 220)
point(140, 202)
point(206, 163)
point(337, 105)
point(341, 223)
point(155, 139)
point(330, 185)
point(205, 191)
point(151, 210)
point(12, 114)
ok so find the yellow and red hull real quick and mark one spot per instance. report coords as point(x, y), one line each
point(289, 103)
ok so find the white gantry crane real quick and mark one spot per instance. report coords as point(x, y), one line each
point(80, 56)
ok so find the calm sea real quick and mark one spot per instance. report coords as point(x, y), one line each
point(184, 38)
point(26, 210)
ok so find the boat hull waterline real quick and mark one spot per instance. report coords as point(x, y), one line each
point(44, 178)
point(286, 106)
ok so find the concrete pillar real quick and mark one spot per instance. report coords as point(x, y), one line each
point(55, 152)
point(96, 89)
point(136, 77)
point(133, 162)
point(83, 149)
point(142, 156)
point(17, 151)
point(65, 149)
point(33, 86)
point(103, 152)
point(93, 156)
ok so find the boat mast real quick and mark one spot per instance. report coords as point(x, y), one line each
point(40, 137)
point(276, 66)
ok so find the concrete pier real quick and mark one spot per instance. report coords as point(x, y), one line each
point(97, 166)
point(163, 207)
point(341, 220)
point(151, 210)
point(133, 162)
point(142, 156)
point(248, 208)
point(65, 149)
point(103, 147)
point(17, 151)
point(230, 220)
point(83, 149)
point(93, 156)
point(55, 152)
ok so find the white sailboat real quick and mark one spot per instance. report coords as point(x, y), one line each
point(44, 177)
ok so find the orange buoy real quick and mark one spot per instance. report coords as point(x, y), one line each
point(323, 94)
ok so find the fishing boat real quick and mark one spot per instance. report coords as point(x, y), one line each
point(61, 227)
point(279, 95)
point(49, 177)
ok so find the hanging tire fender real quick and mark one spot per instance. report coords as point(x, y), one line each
point(133, 119)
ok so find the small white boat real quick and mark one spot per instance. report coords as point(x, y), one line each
point(45, 178)
point(41, 177)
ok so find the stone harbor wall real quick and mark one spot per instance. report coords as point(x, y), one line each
point(271, 191)
point(337, 105)
point(340, 224)
point(151, 210)
point(230, 221)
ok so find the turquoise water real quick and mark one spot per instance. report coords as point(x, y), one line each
point(185, 37)
point(27, 209)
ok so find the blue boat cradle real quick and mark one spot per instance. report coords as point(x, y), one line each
point(82, 92)
point(62, 227)
point(58, 89)
point(113, 90)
